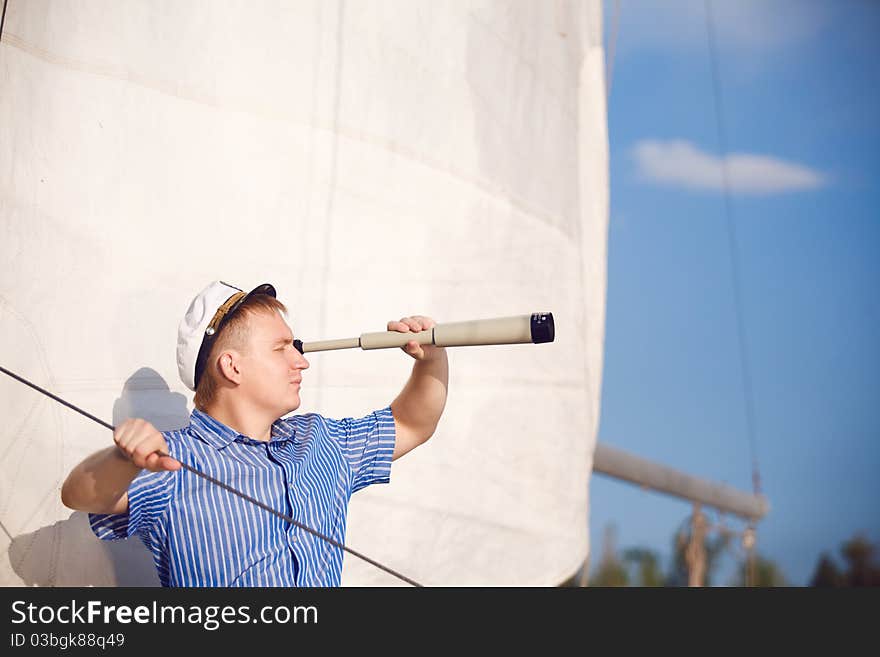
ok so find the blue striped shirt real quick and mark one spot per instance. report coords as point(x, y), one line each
point(202, 535)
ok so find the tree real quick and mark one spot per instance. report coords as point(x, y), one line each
point(767, 573)
point(862, 566)
point(647, 565)
point(610, 572)
point(827, 575)
point(859, 555)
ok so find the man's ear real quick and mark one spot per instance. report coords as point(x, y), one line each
point(229, 364)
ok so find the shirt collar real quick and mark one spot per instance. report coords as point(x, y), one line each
point(219, 435)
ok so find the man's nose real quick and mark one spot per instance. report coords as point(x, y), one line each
point(299, 361)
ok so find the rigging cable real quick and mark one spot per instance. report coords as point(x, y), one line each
point(734, 256)
point(222, 485)
point(2, 19)
point(737, 297)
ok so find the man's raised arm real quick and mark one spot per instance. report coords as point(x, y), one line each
point(418, 407)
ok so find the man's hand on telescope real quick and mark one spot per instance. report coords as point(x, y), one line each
point(415, 324)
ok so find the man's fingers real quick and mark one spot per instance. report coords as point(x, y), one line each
point(142, 453)
point(127, 433)
point(414, 349)
point(169, 463)
point(156, 463)
point(139, 441)
point(134, 448)
point(419, 322)
point(143, 445)
point(122, 435)
point(416, 324)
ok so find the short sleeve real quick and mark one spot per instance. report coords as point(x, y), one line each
point(148, 497)
point(368, 445)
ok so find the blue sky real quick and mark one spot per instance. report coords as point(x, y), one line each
point(800, 85)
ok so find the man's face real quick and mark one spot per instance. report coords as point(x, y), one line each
point(272, 367)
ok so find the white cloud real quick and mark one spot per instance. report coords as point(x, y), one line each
point(754, 25)
point(681, 164)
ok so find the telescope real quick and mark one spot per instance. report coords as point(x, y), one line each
point(535, 328)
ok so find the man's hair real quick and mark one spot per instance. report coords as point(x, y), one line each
point(233, 334)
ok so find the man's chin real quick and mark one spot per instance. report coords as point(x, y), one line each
point(292, 405)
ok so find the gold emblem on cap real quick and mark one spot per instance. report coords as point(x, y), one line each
point(221, 312)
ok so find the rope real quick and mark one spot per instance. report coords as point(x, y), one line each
point(2, 19)
point(734, 257)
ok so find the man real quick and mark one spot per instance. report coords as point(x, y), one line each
point(238, 354)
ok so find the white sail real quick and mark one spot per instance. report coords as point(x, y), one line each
point(371, 160)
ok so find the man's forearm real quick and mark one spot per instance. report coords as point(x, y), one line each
point(98, 483)
point(420, 404)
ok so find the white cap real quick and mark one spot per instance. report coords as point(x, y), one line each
point(203, 319)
